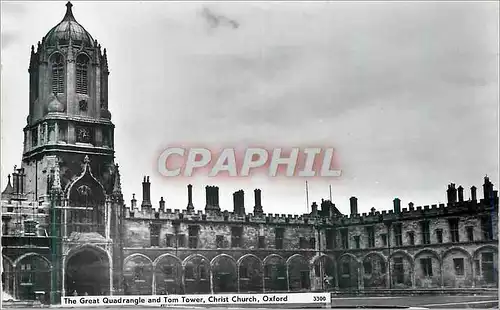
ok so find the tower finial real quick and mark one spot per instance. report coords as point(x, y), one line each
point(117, 187)
point(69, 12)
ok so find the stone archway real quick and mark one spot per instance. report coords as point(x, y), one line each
point(457, 268)
point(250, 273)
point(427, 269)
point(323, 273)
point(168, 275)
point(196, 274)
point(8, 275)
point(224, 274)
point(138, 275)
point(401, 270)
point(87, 272)
point(375, 271)
point(33, 274)
point(299, 277)
point(275, 273)
point(486, 266)
point(348, 272)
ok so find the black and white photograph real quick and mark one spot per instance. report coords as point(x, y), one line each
point(253, 154)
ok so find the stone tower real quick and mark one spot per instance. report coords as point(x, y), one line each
point(68, 158)
point(68, 110)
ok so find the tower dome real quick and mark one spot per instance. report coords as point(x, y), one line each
point(68, 29)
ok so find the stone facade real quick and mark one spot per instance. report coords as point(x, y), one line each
point(436, 246)
point(66, 229)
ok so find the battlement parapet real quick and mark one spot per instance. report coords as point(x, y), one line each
point(222, 216)
point(325, 214)
point(422, 212)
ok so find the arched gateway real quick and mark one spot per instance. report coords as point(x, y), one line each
point(87, 271)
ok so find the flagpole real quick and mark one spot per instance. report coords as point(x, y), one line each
point(307, 198)
point(330, 192)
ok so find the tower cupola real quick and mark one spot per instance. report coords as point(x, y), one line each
point(68, 30)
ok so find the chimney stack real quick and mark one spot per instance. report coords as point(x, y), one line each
point(239, 202)
point(324, 207)
point(212, 195)
point(460, 193)
point(18, 180)
point(216, 196)
point(190, 206)
point(452, 193)
point(314, 209)
point(162, 205)
point(473, 193)
point(487, 188)
point(146, 194)
point(257, 209)
point(354, 205)
point(133, 203)
point(397, 205)
point(410, 206)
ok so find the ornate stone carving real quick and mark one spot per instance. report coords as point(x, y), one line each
point(84, 191)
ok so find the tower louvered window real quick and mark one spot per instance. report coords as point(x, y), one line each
point(82, 75)
point(58, 75)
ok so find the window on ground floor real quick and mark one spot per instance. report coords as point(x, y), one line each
point(399, 270)
point(426, 265)
point(243, 272)
point(458, 265)
point(487, 266)
point(317, 270)
point(368, 267)
point(304, 279)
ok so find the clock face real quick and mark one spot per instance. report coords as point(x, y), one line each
point(83, 135)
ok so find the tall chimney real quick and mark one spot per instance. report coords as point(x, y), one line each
point(452, 193)
point(235, 203)
point(190, 206)
point(473, 193)
point(146, 193)
point(162, 205)
point(216, 196)
point(257, 209)
point(460, 193)
point(15, 180)
point(354, 205)
point(207, 196)
point(212, 193)
point(487, 188)
point(397, 205)
point(239, 202)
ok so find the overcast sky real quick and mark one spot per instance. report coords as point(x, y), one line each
point(406, 92)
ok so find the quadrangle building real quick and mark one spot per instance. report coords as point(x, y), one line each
point(66, 229)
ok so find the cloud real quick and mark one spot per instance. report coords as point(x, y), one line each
point(407, 92)
point(215, 20)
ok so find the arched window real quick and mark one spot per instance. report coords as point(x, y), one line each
point(57, 74)
point(81, 74)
